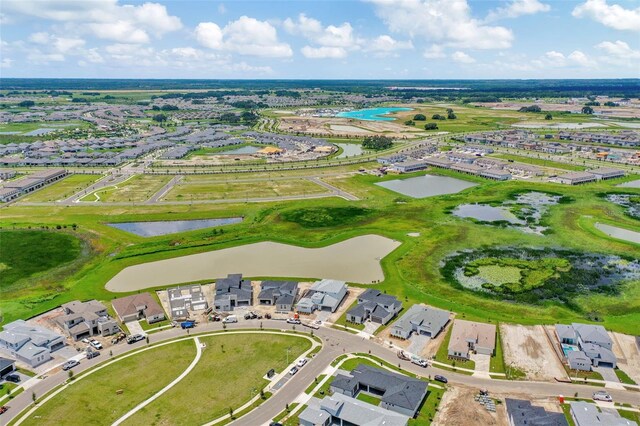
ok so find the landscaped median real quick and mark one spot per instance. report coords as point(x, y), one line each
point(147, 386)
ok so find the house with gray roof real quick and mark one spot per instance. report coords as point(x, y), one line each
point(522, 413)
point(398, 393)
point(324, 295)
point(375, 306)
point(420, 319)
point(31, 344)
point(7, 366)
point(84, 319)
point(593, 342)
point(586, 414)
point(340, 409)
point(232, 292)
point(578, 360)
point(281, 294)
point(184, 299)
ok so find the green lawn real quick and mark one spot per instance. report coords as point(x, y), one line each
point(229, 374)
point(539, 162)
point(137, 189)
point(369, 399)
point(342, 321)
point(429, 407)
point(630, 415)
point(624, 377)
point(62, 189)
point(138, 376)
point(442, 355)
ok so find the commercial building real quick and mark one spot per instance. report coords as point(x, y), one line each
point(469, 336)
point(576, 178)
point(604, 173)
point(410, 166)
point(137, 307)
point(420, 319)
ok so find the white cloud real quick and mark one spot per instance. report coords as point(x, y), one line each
point(6, 63)
point(105, 19)
point(558, 59)
point(518, 8)
point(386, 43)
point(434, 52)
point(462, 58)
point(93, 56)
point(448, 22)
point(618, 49)
point(610, 15)
point(222, 9)
point(245, 36)
point(324, 52)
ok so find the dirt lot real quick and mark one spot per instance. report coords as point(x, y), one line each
point(528, 349)
point(323, 126)
point(626, 350)
point(458, 408)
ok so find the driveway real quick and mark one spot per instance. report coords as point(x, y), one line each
point(370, 327)
point(482, 365)
point(607, 374)
point(135, 328)
point(418, 342)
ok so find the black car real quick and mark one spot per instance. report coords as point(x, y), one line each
point(439, 378)
point(275, 424)
point(92, 354)
point(12, 378)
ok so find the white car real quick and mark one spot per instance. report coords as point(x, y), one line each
point(96, 344)
point(302, 362)
point(293, 371)
point(602, 396)
point(230, 319)
point(85, 340)
point(293, 321)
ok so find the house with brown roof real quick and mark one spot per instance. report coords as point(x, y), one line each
point(138, 306)
point(470, 336)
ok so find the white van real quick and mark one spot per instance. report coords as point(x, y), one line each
point(230, 319)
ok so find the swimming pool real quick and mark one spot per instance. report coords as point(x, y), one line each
point(568, 348)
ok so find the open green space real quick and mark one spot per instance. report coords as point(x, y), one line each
point(63, 189)
point(240, 190)
point(137, 189)
point(325, 217)
point(539, 162)
point(110, 392)
point(240, 362)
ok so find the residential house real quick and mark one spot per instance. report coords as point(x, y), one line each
point(376, 306)
point(576, 178)
point(469, 336)
point(232, 292)
point(323, 295)
point(604, 173)
point(397, 392)
point(138, 306)
point(339, 409)
point(421, 320)
point(522, 413)
point(184, 299)
point(586, 414)
point(84, 319)
point(7, 366)
point(593, 342)
point(578, 360)
point(281, 294)
point(28, 343)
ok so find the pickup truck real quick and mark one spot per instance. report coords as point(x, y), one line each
point(187, 324)
point(135, 338)
point(419, 361)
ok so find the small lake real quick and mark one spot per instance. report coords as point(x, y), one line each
point(353, 260)
point(427, 186)
point(619, 233)
point(372, 114)
point(486, 213)
point(154, 229)
point(632, 184)
point(349, 150)
point(38, 132)
point(239, 151)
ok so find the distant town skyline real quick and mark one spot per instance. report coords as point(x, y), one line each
point(372, 39)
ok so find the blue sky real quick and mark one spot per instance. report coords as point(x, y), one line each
point(371, 39)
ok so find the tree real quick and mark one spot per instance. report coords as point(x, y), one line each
point(532, 108)
point(431, 126)
point(548, 117)
point(26, 104)
point(587, 110)
point(155, 108)
point(409, 122)
point(419, 117)
point(377, 142)
point(70, 374)
point(450, 114)
point(160, 118)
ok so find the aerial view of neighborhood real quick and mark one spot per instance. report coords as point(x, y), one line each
point(379, 213)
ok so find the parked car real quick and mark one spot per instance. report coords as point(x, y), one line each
point(85, 340)
point(230, 319)
point(250, 316)
point(4, 409)
point(403, 356)
point(275, 424)
point(14, 378)
point(293, 371)
point(187, 324)
point(215, 318)
point(92, 354)
point(419, 361)
point(135, 338)
point(293, 321)
point(602, 396)
point(302, 362)
point(96, 344)
point(70, 364)
point(267, 316)
point(439, 378)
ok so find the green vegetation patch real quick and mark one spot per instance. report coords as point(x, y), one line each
point(109, 393)
point(325, 217)
point(26, 253)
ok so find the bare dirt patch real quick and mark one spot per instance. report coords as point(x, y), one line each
point(335, 126)
point(528, 349)
point(628, 354)
point(458, 407)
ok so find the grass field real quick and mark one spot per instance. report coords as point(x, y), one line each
point(240, 190)
point(138, 376)
point(63, 189)
point(241, 362)
point(137, 189)
point(539, 162)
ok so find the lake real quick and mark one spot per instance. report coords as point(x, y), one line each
point(349, 150)
point(426, 186)
point(239, 151)
point(353, 260)
point(154, 229)
point(372, 114)
point(38, 132)
point(632, 184)
point(486, 213)
point(619, 233)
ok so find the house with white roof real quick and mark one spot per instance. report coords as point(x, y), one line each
point(28, 343)
point(324, 295)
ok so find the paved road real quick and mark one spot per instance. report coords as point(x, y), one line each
point(335, 190)
point(163, 191)
point(336, 342)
